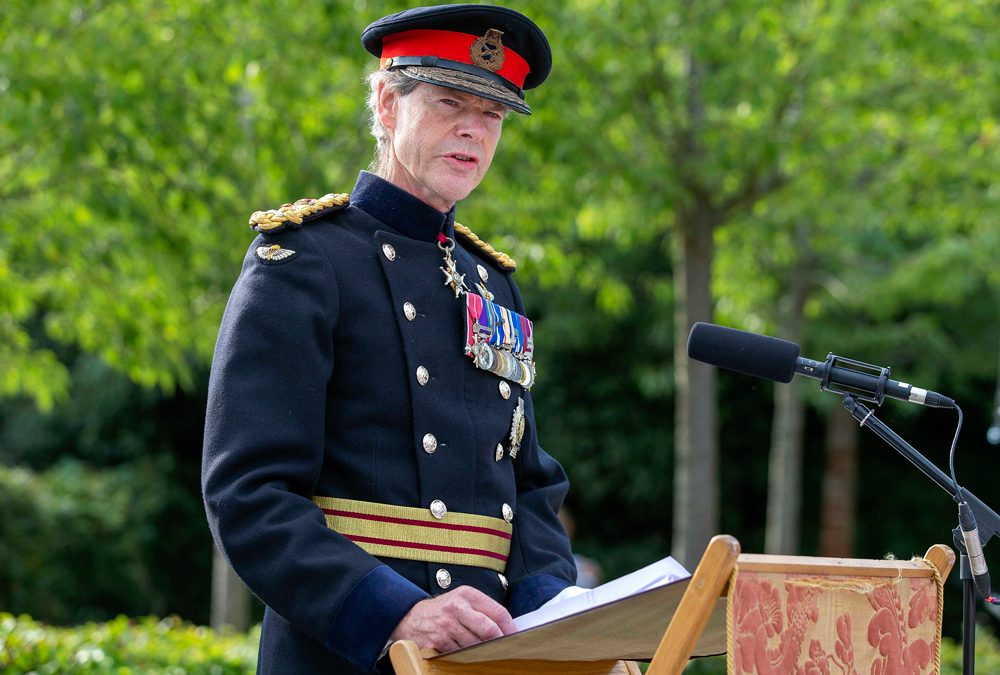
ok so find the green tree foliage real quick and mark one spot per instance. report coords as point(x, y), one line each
point(897, 189)
point(135, 137)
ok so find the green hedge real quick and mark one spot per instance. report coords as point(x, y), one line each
point(172, 647)
point(124, 647)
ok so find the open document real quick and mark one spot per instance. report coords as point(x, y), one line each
point(652, 576)
point(622, 619)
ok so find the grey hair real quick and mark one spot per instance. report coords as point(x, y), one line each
point(395, 82)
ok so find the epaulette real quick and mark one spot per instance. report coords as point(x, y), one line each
point(504, 260)
point(301, 211)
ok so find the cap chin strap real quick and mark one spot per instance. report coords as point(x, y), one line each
point(436, 62)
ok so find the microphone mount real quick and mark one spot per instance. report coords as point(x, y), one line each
point(847, 368)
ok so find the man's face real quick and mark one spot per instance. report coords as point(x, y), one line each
point(442, 141)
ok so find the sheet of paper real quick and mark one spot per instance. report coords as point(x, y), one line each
point(652, 576)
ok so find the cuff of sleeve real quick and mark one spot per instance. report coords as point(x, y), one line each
point(369, 614)
point(530, 593)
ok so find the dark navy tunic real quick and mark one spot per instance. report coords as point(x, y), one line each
point(314, 391)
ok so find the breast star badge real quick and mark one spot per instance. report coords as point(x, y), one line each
point(517, 429)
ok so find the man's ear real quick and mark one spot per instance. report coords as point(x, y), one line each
point(388, 102)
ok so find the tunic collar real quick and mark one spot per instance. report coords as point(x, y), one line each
point(400, 210)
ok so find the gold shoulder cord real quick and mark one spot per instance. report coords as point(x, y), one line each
point(505, 260)
point(296, 212)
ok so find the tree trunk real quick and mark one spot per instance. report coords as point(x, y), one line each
point(784, 476)
point(836, 529)
point(230, 597)
point(696, 448)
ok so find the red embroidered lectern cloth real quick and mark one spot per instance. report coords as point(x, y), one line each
point(797, 624)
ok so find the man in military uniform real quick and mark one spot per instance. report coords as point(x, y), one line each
point(371, 465)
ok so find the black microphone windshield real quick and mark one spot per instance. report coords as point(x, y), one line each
point(748, 353)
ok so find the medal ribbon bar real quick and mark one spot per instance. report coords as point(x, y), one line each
point(499, 340)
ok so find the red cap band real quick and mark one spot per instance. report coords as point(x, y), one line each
point(453, 46)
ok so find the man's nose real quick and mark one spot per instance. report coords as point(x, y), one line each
point(471, 125)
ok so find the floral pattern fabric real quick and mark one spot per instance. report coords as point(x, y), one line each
point(794, 624)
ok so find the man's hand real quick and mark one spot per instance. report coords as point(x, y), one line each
point(458, 618)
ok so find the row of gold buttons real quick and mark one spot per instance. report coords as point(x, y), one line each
point(438, 508)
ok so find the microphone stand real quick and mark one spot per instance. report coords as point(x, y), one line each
point(986, 518)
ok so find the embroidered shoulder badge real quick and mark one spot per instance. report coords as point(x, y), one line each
point(274, 254)
point(295, 214)
point(503, 260)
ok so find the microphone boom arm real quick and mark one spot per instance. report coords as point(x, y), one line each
point(986, 518)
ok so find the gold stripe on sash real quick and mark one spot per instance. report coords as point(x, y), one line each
point(411, 533)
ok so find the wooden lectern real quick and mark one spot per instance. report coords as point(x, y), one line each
point(769, 612)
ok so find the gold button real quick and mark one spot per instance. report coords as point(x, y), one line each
point(430, 444)
point(409, 311)
point(483, 274)
point(508, 513)
point(504, 389)
point(438, 509)
point(499, 451)
point(443, 578)
point(423, 376)
point(503, 580)
point(389, 251)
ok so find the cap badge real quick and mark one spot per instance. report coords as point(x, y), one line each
point(487, 52)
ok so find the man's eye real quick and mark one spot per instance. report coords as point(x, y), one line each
point(449, 101)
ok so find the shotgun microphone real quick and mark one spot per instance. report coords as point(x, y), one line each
point(778, 360)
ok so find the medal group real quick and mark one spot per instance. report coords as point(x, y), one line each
point(498, 340)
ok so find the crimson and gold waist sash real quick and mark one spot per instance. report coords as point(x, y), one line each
point(410, 533)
